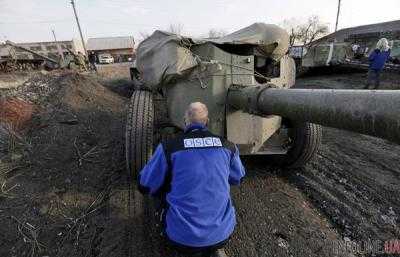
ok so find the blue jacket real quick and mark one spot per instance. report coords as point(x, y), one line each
point(199, 167)
point(377, 59)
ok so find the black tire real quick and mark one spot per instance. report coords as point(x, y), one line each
point(306, 142)
point(139, 132)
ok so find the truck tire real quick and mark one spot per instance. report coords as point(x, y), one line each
point(306, 142)
point(139, 132)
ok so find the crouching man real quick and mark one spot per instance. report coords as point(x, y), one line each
point(192, 173)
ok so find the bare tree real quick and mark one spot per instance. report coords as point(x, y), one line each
point(216, 33)
point(292, 27)
point(312, 30)
point(175, 28)
point(306, 32)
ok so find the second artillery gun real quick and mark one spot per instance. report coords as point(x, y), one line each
point(246, 80)
point(14, 62)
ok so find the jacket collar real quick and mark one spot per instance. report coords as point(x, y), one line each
point(194, 126)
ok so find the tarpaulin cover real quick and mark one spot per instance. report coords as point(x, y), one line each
point(163, 56)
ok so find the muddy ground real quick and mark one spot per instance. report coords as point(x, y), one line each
point(345, 78)
point(64, 190)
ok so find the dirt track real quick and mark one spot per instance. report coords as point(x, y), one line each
point(350, 191)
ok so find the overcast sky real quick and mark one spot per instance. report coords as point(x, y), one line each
point(32, 20)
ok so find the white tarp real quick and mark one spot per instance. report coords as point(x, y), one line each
point(163, 56)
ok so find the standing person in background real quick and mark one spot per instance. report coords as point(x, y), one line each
point(92, 61)
point(81, 61)
point(377, 60)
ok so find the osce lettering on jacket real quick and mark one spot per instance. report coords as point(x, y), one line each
point(202, 142)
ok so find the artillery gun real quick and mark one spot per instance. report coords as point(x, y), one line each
point(13, 62)
point(246, 80)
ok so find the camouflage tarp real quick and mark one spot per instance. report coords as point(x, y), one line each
point(164, 56)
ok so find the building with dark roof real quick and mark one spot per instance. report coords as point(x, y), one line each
point(121, 48)
point(390, 30)
point(353, 45)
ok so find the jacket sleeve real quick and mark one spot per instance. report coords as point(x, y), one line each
point(372, 56)
point(152, 177)
point(388, 55)
point(237, 171)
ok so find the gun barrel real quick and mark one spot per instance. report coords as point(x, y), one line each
point(370, 112)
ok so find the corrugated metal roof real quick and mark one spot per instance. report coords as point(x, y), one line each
point(342, 34)
point(107, 43)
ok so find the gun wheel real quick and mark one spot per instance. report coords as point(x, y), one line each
point(139, 132)
point(306, 140)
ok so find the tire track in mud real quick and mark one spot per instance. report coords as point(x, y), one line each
point(275, 218)
point(356, 183)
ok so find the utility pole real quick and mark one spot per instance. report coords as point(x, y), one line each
point(58, 46)
point(338, 14)
point(79, 27)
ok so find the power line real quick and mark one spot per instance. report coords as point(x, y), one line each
point(35, 22)
point(98, 21)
